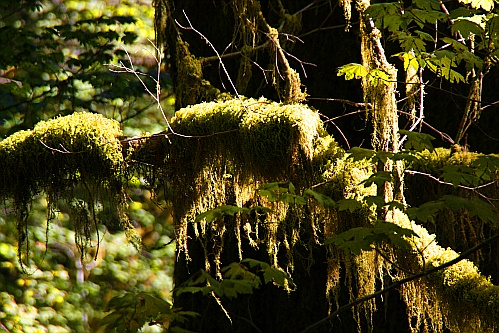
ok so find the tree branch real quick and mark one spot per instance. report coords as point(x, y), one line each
point(398, 283)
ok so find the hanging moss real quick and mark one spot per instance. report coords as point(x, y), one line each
point(224, 151)
point(76, 159)
point(458, 230)
point(221, 153)
point(458, 297)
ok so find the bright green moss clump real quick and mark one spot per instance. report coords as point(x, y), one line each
point(58, 151)
point(76, 159)
point(257, 133)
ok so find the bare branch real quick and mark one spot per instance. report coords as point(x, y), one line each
point(191, 27)
point(438, 180)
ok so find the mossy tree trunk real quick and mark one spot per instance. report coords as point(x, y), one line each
point(248, 47)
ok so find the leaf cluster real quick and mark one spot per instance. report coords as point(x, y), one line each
point(130, 312)
point(361, 239)
point(238, 278)
point(474, 207)
point(412, 26)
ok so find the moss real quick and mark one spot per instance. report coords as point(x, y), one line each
point(76, 159)
point(220, 153)
point(228, 149)
point(257, 133)
point(224, 151)
point(191, 87)
point(454, 229)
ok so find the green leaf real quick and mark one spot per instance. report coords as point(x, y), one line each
point(273, 191)
point(486, 166)
point(384, 156)
point(395, 204)
point(349, 204)
point(352, 71)
point(231, 288)
point(427, 5)
point(240, 272)
point(376, 75)
point(131, 311)
point(201, 281)
point(441, 63)
point(270, 274)
point(460, 175)
point(410, 61)
point(358, 154)
point(283, 192)
point(361, 239)
point(466, 28)
point(395, 234)
point(278, 277)
point(323, 200)
point(354, 240)
point(418, 141)
point(375, 200)
point(388, 16)
point(474, 207)
point(408, 156)
point(461, 12)
point(379, 178)
point(426, 212)
point(253, 263)
point(218, 213)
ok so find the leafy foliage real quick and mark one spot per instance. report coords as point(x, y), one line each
point(283, 192)
point(360, 239)
point(130, 312)
point(238, 278)
point(357, 71)
point(72, 45)
point(421, 49)
point(474, 207)
point(418, 141)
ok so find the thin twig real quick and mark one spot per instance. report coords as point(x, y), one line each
point(438, 180)
point(122, 68)
point(232, 54)
point(191, 27)
point(344, 101)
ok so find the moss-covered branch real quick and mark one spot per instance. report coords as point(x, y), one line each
point(75, 160)
point(221, 154)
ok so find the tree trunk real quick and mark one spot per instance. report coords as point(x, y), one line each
point(276, 49)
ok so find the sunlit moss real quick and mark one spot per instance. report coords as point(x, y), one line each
point(468, 301)
point(220, 153)
point(76, 159)
point(224, 151)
